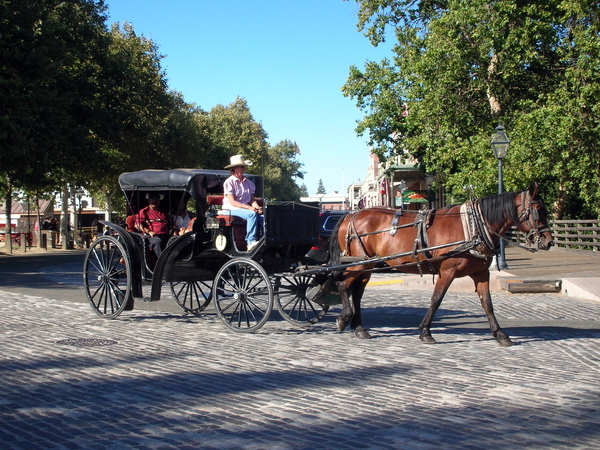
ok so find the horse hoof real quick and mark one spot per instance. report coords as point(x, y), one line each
point(341, 325)
point(427, 340)
point(505, 342)
point(362, 334)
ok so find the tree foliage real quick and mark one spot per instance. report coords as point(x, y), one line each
point(232, 131)
point(81, 103)
point(321, 187)
point(48, 75)
point(282, 168)
point(140, 124)
point(461, 66)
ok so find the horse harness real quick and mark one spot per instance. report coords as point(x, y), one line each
point(422, 222)
point(478, 240)
point(532, 217)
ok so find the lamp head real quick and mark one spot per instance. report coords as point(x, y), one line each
point(500, 143)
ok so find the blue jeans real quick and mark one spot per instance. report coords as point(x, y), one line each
point(254, 223)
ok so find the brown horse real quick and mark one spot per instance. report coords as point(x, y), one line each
point(454, 242)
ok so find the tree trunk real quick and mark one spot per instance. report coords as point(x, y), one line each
point(495, 106)
point(8, 232)
point(64, 226)
point(558, 207)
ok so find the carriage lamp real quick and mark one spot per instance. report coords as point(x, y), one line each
point(500, 143)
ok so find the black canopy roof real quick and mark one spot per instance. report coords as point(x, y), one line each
point(198, 182)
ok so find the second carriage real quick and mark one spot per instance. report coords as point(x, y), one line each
point(209, 263)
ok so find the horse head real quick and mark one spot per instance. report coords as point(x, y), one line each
point(533, 218)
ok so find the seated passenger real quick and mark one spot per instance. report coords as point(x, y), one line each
point(182, 221)
point(155, 223)
point(239, 199)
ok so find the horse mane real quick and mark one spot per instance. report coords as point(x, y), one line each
point(496, 209)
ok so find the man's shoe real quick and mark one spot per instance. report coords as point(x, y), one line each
point(251, 245)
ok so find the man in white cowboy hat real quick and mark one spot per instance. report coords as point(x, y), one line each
point(239, 198)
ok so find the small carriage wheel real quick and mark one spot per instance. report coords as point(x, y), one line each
point(243, 295)
point(291, 300)
point(192, 296)
point(107, 276)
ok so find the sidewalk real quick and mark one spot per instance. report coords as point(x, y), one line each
point(575, 272)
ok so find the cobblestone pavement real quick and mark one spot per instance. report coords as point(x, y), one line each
point(157, 379)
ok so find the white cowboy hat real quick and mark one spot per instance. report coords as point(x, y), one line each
point(238, 160)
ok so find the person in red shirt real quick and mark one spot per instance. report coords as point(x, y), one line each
point(155, 223)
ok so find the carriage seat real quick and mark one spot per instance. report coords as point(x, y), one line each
point(225, 217)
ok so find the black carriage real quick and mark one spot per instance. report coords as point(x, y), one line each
point(209, 263)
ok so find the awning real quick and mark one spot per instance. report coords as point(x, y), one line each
point(414, 197)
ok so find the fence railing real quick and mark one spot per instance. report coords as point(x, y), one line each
point(573, 234)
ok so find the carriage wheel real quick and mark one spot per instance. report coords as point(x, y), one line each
point(243, 295)
point(192, 296)
point(107, 276)
point(292, 303)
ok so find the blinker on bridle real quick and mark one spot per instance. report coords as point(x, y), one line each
point(531, 215)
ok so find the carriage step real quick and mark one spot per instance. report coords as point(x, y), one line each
point(530, 286)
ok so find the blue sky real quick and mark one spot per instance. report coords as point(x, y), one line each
point(288, 59)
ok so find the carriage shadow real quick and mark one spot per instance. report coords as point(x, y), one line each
point(390, 322)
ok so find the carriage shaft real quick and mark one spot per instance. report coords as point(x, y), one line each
point(375, 260)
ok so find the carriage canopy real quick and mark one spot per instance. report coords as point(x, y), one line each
point(198, 182)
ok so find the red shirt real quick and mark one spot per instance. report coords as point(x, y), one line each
point(154, 220)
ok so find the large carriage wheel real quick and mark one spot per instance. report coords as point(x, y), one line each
point(192, 296)
point(107, 276)
point(291, 300)
point(243, 295)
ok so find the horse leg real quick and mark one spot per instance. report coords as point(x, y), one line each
point(358, 289)
point(343, 287)
point(441, 287)
point(482, 286)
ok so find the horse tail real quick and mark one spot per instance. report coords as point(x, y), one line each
point(335, 251)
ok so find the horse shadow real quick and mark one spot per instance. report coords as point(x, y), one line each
point(385, 322)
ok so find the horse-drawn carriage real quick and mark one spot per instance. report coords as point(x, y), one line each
point(210, 261)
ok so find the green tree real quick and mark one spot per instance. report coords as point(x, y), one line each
point(321, 188)
point(139, 124)
point(49, 51)
point(460, 66)
point(232, 131)
point(282, 168)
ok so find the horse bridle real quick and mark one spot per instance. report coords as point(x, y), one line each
point(531, 215)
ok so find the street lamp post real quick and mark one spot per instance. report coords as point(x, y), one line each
point(500, 143)
point(429, 181)
point(402, 188)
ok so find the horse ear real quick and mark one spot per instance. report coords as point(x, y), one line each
point(533, 189)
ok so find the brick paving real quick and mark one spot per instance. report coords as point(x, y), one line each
point(158, 379)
